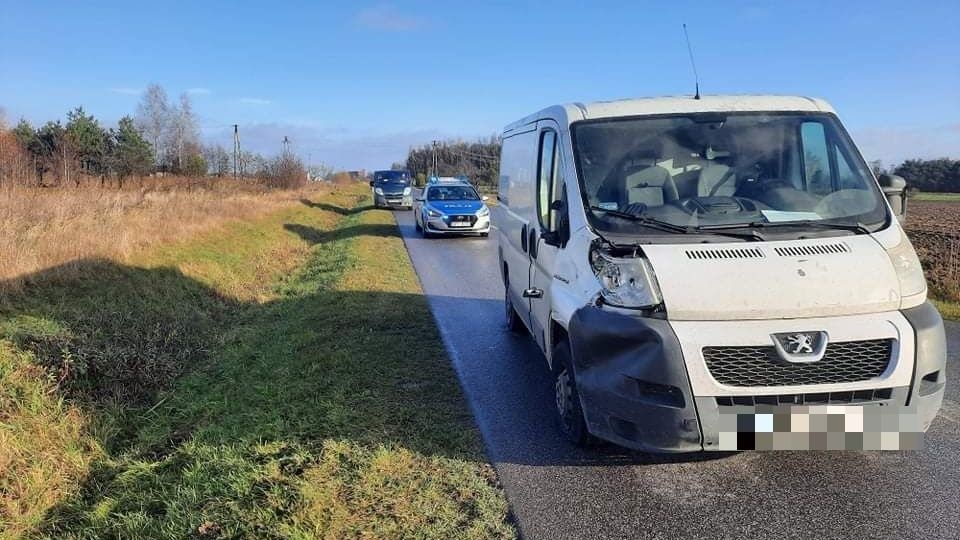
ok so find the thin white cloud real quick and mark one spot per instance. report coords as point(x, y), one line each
point(388, 17)
point(125, 90)
point(199, 91)
point(254, 101)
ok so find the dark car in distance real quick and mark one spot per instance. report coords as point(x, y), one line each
point(392, 189)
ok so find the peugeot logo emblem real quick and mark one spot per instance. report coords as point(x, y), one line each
point(801, 347)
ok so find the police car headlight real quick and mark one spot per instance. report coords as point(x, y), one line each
point(378, 191)
point(483, 212)
point(407, 191)
point(433, 213)
point(627, 282)
point(909, 270)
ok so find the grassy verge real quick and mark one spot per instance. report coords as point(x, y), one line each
point(938, 197)
point(948, 309)
point(280, 379)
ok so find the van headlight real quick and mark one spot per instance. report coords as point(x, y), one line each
point(407, 191)
point(483, 212)
point(378, 191)
point(908, 268)
point(627, 282)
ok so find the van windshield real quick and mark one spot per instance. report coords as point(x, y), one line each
point(711, 171)
point(385, 177)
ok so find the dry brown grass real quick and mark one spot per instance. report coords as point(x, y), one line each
point(45, 228)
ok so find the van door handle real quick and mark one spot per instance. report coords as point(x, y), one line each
point(532, 243)
point(523, 237)
point(533, 293)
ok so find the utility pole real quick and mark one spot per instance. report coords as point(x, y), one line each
point(434, 165)
point(286, 146)
point(236, 149)
point(180, 148)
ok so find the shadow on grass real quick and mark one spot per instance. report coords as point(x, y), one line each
point(313, 366)
point(315, 236)
point(336, 209)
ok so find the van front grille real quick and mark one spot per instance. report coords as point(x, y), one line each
point(843, 362)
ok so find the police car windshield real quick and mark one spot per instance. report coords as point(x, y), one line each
point(452, 193)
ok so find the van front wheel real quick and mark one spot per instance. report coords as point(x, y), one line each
point(514, 323)
point(569, 411)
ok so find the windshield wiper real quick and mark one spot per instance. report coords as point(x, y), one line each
point(749, 234)
point(858, 228)
point(671, 227)
point(644, 220)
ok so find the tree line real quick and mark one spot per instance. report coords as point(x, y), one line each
point(938, 175)
point(56, 153)
point(162, 137)
point(479, 160)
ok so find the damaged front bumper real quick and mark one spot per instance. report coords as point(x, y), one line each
point(636, 390)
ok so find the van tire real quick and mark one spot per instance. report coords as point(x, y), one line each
point(514, 322)
point(567, 398)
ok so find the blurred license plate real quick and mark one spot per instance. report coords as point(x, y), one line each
point(459, 223)
point(820, 427)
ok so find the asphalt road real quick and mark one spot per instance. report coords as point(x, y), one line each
point(556, 490)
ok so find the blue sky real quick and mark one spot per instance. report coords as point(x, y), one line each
point(354, 84)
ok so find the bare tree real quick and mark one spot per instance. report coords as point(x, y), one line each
point(153, 116)
point(183, 132)
point(218, 160)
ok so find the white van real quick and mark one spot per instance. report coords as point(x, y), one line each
point(687, 263)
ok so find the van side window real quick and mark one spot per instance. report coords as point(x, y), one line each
point(816, 160)
point(547, 180)
point(827, 167)
point(848, 179)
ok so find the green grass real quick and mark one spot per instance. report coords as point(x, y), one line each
point(230, 393)
point(938, 197)
point(948, 308)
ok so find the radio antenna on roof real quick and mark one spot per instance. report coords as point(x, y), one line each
point(696, 77)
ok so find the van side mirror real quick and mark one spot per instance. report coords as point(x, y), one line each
point(559, 237)
point(895, 190)
point(371, 183)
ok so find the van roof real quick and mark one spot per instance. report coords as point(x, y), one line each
point(571, 112)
